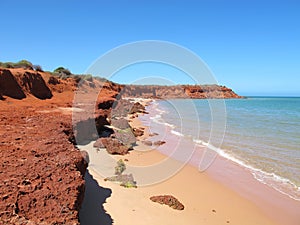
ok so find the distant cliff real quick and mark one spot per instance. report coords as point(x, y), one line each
point(178, 91)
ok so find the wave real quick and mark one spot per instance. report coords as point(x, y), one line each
point(159, 120)
point(200, 142)
point(273, 180)
point(281, 184)
point(177, 133)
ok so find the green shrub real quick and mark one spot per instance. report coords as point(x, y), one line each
point(24, 64)
point(125, 180)
point(63, 71)
point(88, 77)
point(129, 184)
point(7, 65)
point(38, 68)
point(120, 168)
point(101, 79)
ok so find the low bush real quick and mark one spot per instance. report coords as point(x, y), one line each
point(63, 71)
point(120, 168)
point(38, 68)
point(24, 64)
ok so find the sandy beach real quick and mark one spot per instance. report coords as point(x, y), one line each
point(206, 201)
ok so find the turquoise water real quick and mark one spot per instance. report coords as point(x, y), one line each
point(260, 134)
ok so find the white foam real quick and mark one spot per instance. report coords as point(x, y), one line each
point(158, 119)
point(283, 185)
point(200, 142)
point(177, 133)
point(155, 117)
point(273, 180)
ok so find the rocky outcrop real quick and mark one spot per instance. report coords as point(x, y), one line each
point(158, 143)
point(168, 200)
point(19, 84)
point(122, 107)
point(138, 132)
point(9, 85)
point(41, 171)
point(137, 108)
point(90, 129)
point(98, 144)
point(106, 102)
point(34, 84)
point(114, 146)
point(178, 91)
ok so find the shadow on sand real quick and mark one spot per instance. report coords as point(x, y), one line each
point(92, 211)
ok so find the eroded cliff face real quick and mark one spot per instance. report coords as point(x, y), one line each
point(41, 171)
point(178, 91)
point(19, 83)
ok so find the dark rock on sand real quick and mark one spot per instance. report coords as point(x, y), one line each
point(137, 108)
point(125, 180)
point(120, 123)
point(98, 144)
point(126, 137)
point(122, 108)
point(114, 146)
point(148, 143)
point(168, 200)
point(158, 143)
point(138, 132)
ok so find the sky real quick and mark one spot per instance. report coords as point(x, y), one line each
point(252, 46)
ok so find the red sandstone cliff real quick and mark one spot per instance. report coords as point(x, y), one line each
point(178, 91)
point(42, 173)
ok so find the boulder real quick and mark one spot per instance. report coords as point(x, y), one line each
point(148, 143)
point(168, 200)
point(114, 146)
point(137, 108)
point(138, 132)
point(98, 144)
point(158, 143)
point(120, 123)
point(126, 137)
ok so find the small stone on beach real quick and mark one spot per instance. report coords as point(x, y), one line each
point(148, 143)
point(168, 200)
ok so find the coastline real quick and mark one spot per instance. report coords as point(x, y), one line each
point(206, 199)
point(275, 204)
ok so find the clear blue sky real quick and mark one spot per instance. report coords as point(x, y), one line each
point(251, 46)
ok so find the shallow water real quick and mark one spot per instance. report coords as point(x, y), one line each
point(260, 134)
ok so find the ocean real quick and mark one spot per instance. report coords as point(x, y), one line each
point(260, 134)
